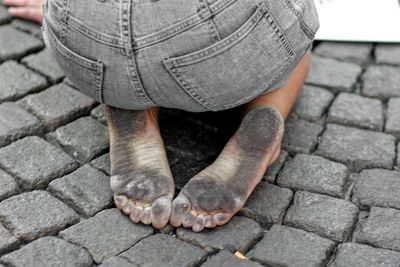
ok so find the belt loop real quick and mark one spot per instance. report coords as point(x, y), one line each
point(125, 26)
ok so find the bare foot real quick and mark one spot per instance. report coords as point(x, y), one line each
point(26, 9)
point(214, 195)
point(140, 176)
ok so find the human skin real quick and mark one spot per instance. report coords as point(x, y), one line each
point(26, 9)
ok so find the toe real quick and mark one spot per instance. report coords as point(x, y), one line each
point(188, 220)
point(209, 221)
point(146, 219)
point(221, 218)
point(128, 207)
point(137, 214)
point(161, 212)
point(180, 207)
point(198, 224)
point(120, 201)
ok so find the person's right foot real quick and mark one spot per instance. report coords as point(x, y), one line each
point(140, 175)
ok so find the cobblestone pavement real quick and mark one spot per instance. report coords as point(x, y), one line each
point(332, 198)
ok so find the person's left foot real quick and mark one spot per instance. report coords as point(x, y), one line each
point(214, 195)
point(26, 9)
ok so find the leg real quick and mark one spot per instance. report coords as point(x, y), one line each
point(140, 176)
point(26, 9)
point(214, 195)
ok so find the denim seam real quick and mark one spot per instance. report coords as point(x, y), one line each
point(63, 19)
point(211, 23)
point(305, 28)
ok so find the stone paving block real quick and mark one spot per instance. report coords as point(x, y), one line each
point(359, 255)
point(314, 174)
point(377, 187)
point(34, 214)
point(337, 75)
point(355, 110)
point(35, 162)
point(106, 234)
point(349, 146)
point(238, 234)
point(393, 117)
point(84, 138)
point(274, 169)
point(58, 105)
point(398, 155)
point(102, 163)
point(49, 252)
point(300, 136)
point(8, 185)
point(17, 44)
point(381, 81)
point(285, 246)
point(387, 54)
point(312, 103)
point(354, 52)
point(226, 259)
point(381, 229)
point(4, 15)
point(117, 262)
point(28, 26)
point(99, 113)
point(15, 122)
point(87, 190)
point(267, 204)
point(326, 216)
point(164, 250)
point(7, 240)
point(17, 80)
point(44, 64)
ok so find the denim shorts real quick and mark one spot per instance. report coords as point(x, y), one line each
point(193, 55)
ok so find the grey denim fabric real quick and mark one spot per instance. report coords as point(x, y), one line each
point(194, 55)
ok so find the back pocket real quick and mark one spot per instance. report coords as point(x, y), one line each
point(237, 68)
point(85, 74)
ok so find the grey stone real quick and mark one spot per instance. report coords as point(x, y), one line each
point(163, 250)
point(381, 229)
point(267, 204)
point(355, 110)
point(339, 76)
point(84, 138)
point(34, 214)
point(28, 26)
point(102, 163)
point(58, 105)
point(377, 187)
point(314, 174)
point(238, 234)
point(393, 117)
point(44, 63)
point(49, 252)
point(358, 255)
point(285, 246)
point(326, 216)
point(17, 43)
point(17, 80)
point(117, 262)
point(4, 15)
point(8, 185)
point(7, 240)
point(275, 167)
point(15, 122)
point(301, 136)
point(354, 52)
point(99, 113)
point(387, 54)
point(226, 259)
point(381, 81)
point(349, 146)
point(398, 155)
point(86, 189)
point(106, 234)
point(35, 162)
point(312, 103)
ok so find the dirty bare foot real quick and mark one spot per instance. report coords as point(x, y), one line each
point(140, 175)
point(26, 9)
point(214, 195)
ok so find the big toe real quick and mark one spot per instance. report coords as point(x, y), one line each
point(180, 208)
point(161, 212)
